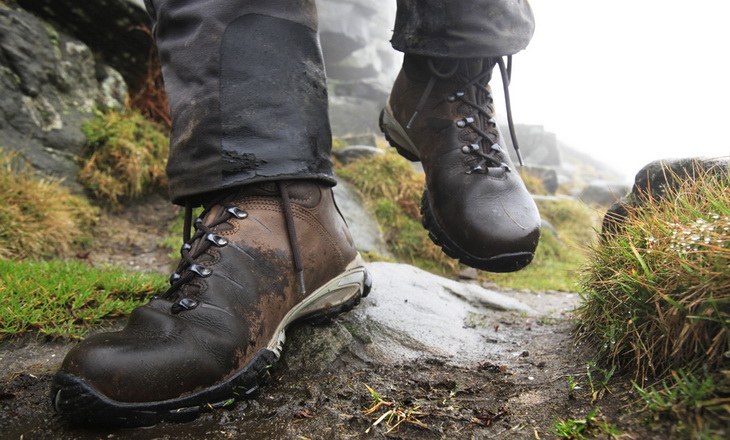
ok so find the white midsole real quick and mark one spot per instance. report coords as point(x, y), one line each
point(396, 132)
point(340, 289)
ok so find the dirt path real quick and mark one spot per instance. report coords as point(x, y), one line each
point(515, 388)
point(509, 397)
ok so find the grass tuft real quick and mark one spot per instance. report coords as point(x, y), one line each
point(658, 287)
point(125, 157)
point(38, 217)
point(57, 298)
point(697, 404)
point(587, 428)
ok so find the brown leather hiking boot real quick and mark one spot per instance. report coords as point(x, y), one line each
point(262, 257)
point(475, 205)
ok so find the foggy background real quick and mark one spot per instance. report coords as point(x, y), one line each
point(627, 81)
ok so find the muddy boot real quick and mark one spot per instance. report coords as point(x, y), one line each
point(475, 205)
point(262, 257)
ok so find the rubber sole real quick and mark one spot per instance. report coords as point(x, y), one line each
point(399, 139)
point(80, 403)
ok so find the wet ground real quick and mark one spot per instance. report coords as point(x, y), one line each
point(319, 390)
point(448, 360)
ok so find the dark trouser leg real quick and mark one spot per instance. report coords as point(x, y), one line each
point(247, 92)
point(463, 29)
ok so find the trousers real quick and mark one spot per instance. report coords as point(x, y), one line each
point(247, 88)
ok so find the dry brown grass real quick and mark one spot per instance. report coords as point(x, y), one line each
point(38, 217)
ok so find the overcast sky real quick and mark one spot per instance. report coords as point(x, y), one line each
point(628, 81)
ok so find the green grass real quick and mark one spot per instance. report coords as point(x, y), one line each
point(125, 157)
point(589, 427)
point(57, 298)
point(696, 404)
point(657, 290)
point(39, 218)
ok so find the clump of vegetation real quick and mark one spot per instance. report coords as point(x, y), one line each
point(38, 217)
point(589, 427)
point(392, 190)
point(149, 97)
point(125, 157)
point(658, 287)
point(696, 404)
point(58, 298)
point(657, 290)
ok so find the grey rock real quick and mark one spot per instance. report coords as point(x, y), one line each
point(602, 193)
point(355, 152)
point(113, 29)
point(364, 229)
point(547, 175)
point(50, 83)
point(411, 314)
point(360, 139)
point(353, 115)
point(653, 180)
point(469, 273)
point(537, 146)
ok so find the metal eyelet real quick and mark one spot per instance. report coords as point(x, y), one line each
point(237, 212)
point(175, 277)
point(184, 304)
point(461, 123)
point(496, 147)
point(475, 169)
point(505, 167)
point(188, 303)
point(216, 240)
point(201, 271)
point(455, 96)
point(466, 149)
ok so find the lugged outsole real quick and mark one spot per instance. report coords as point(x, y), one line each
point(512, 262)
point(80, 403)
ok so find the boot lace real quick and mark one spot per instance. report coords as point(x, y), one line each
point(204, 237)
point(488, 157)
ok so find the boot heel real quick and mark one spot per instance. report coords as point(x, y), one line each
point(396, 135)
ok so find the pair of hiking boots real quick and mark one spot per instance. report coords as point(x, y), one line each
point(264, 256)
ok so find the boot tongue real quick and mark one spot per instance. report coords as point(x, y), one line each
point(471, 68)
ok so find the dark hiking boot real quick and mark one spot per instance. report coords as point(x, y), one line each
point(260, 259)
point(475, 205)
